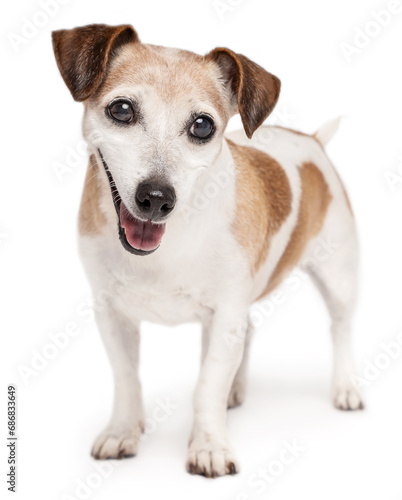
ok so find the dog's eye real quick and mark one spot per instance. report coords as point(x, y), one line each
point(121, 110)
point(202, 128)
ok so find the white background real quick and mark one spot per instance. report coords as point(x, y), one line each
point(43, 288)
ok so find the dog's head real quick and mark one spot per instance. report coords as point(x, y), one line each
point(159, 116)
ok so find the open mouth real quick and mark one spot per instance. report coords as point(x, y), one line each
point(137, 236)
point(144, 236)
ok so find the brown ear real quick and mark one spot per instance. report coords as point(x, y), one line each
point(82, 54)
point(255, 90)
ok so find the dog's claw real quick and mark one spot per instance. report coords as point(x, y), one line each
point(116, 443)
point(348, 399)
point(211, 464)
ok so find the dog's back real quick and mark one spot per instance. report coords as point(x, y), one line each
point(301, 199)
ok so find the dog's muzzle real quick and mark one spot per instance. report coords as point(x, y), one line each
point(154, 201)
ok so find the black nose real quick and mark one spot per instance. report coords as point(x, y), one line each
point(155, 200)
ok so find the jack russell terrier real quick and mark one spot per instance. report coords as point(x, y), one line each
point(155, 121)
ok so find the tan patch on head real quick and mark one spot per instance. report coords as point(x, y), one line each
point(91, 219)
point(263, 199)
point(315, 199)
point(175, 73)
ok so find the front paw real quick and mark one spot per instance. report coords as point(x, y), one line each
point(210, 458)
point(117, 441)
point(347, 397)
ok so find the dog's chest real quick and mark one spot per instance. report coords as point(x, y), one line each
point(181, 282)
point(163, 298)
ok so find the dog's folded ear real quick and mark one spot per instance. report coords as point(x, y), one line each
point(83, 53)
point(254, 90)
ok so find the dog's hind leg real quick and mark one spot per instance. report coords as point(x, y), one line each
point(121, 340)
point(239, 385)
point(334, 271)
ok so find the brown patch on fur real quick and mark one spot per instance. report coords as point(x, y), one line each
point(298, 132)
point(263, 198)
point(315, 199)
point(256, 91)
point(94, 59)
point(82, 54)
point(91, 219)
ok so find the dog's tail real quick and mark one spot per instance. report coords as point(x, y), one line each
point(325, 133)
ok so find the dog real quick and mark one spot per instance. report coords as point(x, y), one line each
point(155, 121)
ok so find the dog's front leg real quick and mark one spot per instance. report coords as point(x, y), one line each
point(210, 453)
point(121, 340)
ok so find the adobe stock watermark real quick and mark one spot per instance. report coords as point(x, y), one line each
point(85, 487)
point(263, 309)
point(225, 7)
point(31, 27)
point(3, 238)
point(75, 156)
point(373, 369)
point(363, 36)
point(160, 414)
point(219, 180)
point(259, 482)
point(58, 341)
point(393, 178)
point(280, 117)
point(40, 358)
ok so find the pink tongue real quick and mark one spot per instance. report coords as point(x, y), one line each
point(141, 235)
